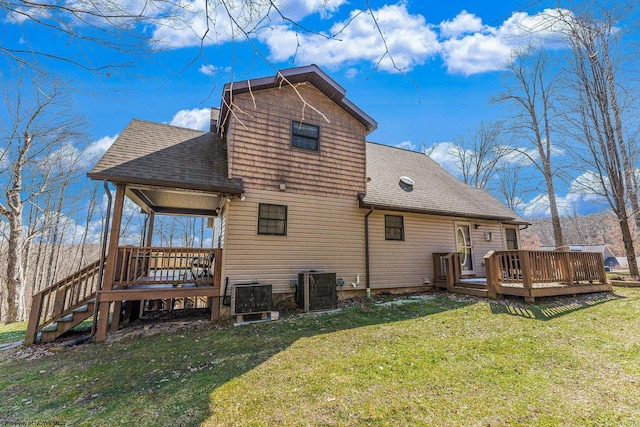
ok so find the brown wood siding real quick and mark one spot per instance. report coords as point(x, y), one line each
point(260, 150)
point(322, 234)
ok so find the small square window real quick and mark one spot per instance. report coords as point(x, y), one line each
point(393, 227)
point(272, 219)
point(305, 136)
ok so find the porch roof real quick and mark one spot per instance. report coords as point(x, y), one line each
point(435, 191)
point(156, 154)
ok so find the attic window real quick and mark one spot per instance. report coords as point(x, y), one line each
point(305, 136)
point(406, 183)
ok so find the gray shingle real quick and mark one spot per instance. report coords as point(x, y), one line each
point(160, 154)
point(435, 190)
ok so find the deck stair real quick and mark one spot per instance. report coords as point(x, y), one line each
point(65, 323)
point(64, 305)
point(475, 290)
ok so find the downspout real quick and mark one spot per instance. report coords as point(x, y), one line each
point(366, 250)
point(103, 254)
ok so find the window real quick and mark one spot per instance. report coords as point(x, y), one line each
point(305, 136)
point(393, 227)
point(272, 219)
point(512, 238)
point(465, 248)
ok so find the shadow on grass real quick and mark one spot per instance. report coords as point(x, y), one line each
point(558, 307)
point(172, 376)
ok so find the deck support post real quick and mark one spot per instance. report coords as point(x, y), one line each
point(115, 319)
point(103, 321)
point(110, 270)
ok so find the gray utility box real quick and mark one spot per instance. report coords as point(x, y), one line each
point(316, 291)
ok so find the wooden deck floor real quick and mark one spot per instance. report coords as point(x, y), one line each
point(477, 286)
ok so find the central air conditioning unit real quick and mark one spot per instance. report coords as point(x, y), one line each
point(316, 291)
point(250, 298)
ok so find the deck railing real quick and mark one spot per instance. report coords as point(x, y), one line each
point(534, 267)
point(446, 267)
point(59, 299)
point(137, 266)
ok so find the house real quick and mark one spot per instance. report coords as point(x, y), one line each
point(294, 187)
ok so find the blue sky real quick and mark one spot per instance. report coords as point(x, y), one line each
point(452, 56)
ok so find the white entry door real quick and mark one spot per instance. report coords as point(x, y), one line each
point(465, 250)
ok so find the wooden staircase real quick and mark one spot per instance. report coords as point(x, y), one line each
point(67, 303)
point(64, 324)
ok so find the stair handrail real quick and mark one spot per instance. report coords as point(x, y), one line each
point(61, 298)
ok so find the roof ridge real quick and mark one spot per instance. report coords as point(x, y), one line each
point(168, 125)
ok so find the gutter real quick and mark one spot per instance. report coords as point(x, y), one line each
point(366, 250)
point(103, 254)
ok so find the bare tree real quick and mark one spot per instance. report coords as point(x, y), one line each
point(594, 114)
point(133, 29)
point(38, 126)
point(531, 93)
point(480, 153)
point(511, 185)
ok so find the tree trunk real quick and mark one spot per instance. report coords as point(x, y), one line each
point(12, 305)
point(628, 245)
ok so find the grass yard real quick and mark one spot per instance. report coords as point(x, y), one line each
point(435, 360)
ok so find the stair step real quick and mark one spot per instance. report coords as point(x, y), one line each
point(67, 318)
point(51, 328)
point(91, 301)
point(81, 309)
point(470, 291)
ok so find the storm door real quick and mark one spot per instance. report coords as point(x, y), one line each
point(465, 250)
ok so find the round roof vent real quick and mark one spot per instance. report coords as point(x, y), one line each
point(407, 181)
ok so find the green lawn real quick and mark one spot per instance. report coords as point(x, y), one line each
point(440, 360)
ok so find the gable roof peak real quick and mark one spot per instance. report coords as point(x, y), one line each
point(292, 76)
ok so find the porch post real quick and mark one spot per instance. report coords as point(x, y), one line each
point(110, 269)
point(490, 270)
point(152, 217)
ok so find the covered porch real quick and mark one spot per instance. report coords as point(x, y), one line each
point(164, 170)
point(529, 274)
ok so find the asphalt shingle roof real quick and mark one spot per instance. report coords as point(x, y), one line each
point(159, 154)
point(435, 191)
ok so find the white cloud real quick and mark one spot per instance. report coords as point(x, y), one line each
point(92, 152)
point(582, 197)
point(464, 23)
point(443, 153)
point(211, 70)
point(410, 40)
point(490, 48)
point(590, 185)
point(407, 145)
point(298, 9)
point(351, 73)
point(196, 118)
point(200, 22)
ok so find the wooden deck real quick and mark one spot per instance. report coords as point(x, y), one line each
point(529, 274)
point(140, 274)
